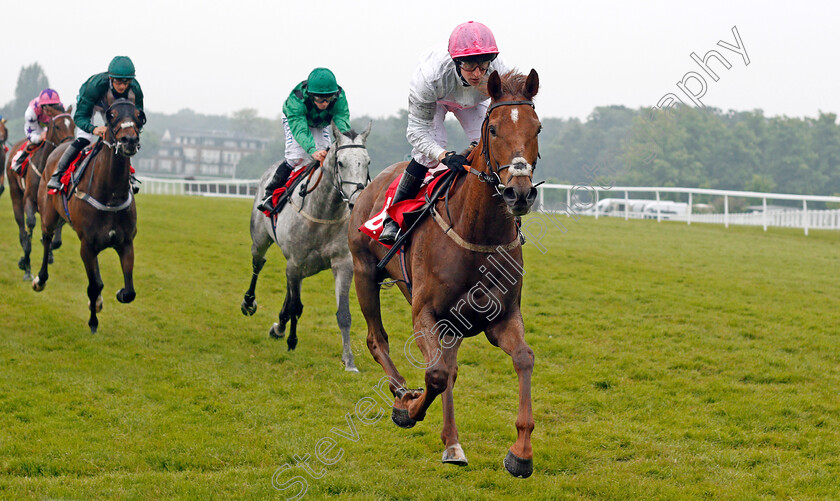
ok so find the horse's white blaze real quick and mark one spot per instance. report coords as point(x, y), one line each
point(126, 125)
point(514, 115)
point(67, 122)
point(520, 167)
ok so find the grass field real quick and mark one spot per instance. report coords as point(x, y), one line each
point(672, 362)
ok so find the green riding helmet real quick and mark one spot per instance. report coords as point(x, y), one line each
point(321, 81)
point(121, 67)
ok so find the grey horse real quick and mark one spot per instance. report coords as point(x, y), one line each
point(312, 233)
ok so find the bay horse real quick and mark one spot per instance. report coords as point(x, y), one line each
point(448, 261)
point(312, 233)
point(102, 209)
point(4, 136)
point(24, 189)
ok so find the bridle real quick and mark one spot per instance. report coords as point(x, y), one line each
point(68, 138)
point(114, 128)
point(338, 183)
point(493, 176)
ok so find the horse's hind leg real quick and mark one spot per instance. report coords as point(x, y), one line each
point(94, 288)
point(367, 292)
point(259, 246)
point(126, 253)
point(343, 273)
point(452, 453)
point(56, 243)
point(509, 335)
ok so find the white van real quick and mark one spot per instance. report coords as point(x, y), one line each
point(666, 210)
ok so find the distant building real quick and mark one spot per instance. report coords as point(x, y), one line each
point(199, 154)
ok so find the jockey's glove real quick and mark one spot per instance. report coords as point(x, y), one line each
point(454, 161)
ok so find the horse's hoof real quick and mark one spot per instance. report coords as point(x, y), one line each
point(37, 286)
point(518, 467)
point(27, 276)
point(55, 245)
point(401, 419)
point(249, 309)
point(23, 264)
point(125, 297)
point(351, 368)
point(454, 454)
point(92, 328)
point(291, 342)
point(275, 332)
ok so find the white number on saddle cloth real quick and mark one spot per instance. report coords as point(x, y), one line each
point(375, 223)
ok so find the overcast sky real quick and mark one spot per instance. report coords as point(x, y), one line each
point(221, 56)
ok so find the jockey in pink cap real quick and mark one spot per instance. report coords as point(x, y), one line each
point(35, 124)
point(453, 80)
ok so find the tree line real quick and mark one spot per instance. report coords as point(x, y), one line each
point(682, 147)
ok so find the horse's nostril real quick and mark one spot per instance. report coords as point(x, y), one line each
point(509, 194)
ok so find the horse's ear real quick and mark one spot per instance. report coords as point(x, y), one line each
point(109, 97)
point(532, 84)
point(335, 132)
point(366, 132)
point(2, 120)
point(494, 86)
point(70, 110)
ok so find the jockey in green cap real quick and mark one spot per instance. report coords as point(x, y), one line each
point(307, 114)
point(119, 79)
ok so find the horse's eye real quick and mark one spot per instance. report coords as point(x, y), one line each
point(112, 114)
point(539, 130)
point(492, 130)
point(340, 164)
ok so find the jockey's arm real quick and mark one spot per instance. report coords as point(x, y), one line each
point(31, 127)
point(296, 116)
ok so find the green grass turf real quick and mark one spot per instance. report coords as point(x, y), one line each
point(672, 362)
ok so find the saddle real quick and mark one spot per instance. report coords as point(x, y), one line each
point(25, 164)
point(407, 212)
point(281, 195)
point(77, 167)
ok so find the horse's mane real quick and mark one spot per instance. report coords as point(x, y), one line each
point(513, 83)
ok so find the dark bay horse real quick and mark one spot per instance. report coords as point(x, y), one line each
point(24, 189)
point(465, 267)
point(312, 233)
point(102, 208)
point(4, 136)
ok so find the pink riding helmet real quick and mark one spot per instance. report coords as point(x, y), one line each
point(48, 96)
point(472, 39)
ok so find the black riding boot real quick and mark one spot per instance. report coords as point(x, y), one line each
point(279, 179)
point(69, 154)
point(410, 183)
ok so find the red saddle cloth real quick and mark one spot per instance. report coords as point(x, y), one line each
point(281, 190)
point(373, 226)
point(67, 177)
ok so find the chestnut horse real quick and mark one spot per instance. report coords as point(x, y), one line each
point(447, 260)
point(24, 189)
point(4, 136)
point(102, 208)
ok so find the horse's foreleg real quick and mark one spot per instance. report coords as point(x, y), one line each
point(292, 308)
point(94, 288)
point(126, 253)
point(509, 335)
point(49, 220)
point(25, 238)
point(343, 273)
point(438, 358)
point(452, 453)
point(367, 292)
